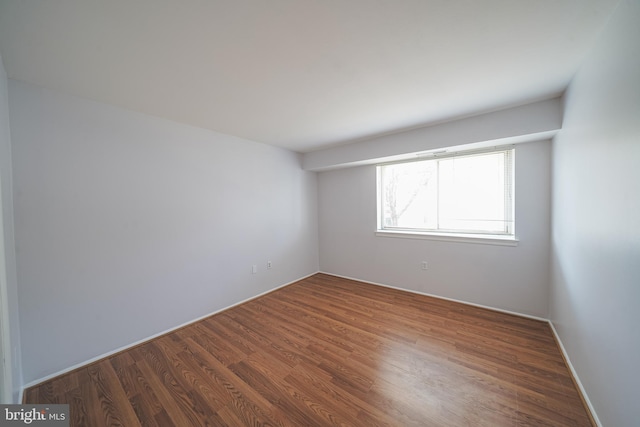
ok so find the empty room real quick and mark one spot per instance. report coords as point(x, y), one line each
point(316, 213)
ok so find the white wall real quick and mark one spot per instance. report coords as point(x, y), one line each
point(128, 225)
point(9, 291)
point(508, 278)
point(595, 289)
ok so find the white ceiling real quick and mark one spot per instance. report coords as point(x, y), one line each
point(301, 74)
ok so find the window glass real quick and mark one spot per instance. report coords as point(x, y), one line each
point(457, 194)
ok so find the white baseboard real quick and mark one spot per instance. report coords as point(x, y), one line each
point(142, 341)
point(576, 379)
point(515, 313)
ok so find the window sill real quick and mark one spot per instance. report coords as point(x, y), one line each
point(483, 239)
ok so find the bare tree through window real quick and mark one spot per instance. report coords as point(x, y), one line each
point(402, 187)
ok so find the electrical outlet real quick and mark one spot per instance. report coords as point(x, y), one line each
point(254, 269)
point(424, 265)
point(269, 265)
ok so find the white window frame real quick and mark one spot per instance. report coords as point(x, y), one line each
point(507, 239)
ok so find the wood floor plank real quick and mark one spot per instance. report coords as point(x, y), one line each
point(77, 410)
point(87, 410)
point(275, 390)
point(175, 402)
point(243, 397)
point(332, 351)
point(110, 395)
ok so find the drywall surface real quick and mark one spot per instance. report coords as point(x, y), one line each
point(531, 122)
point(595, 289)
point(10, 319)
point(504, 277)
point(128, 225)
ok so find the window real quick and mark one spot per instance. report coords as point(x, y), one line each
point(454, 194)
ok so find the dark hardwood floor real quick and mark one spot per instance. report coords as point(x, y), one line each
point(329, 351)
